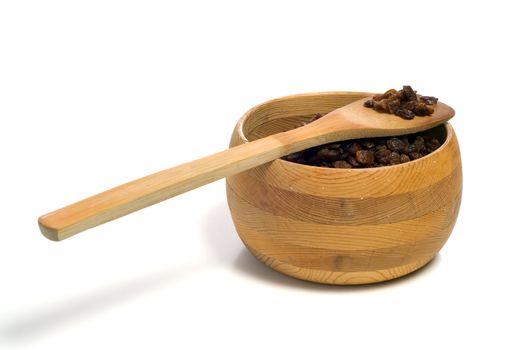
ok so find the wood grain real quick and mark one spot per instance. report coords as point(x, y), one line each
point(341, 226)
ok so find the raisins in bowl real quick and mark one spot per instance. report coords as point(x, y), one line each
point(368, 152)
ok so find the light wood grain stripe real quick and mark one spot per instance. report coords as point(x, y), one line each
point(268, 236)
point(283, 230)
point(340, 277)
point(345, 210)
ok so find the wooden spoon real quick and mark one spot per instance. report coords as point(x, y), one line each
point(349, 122)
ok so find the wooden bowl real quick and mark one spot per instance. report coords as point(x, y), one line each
point(342, 226)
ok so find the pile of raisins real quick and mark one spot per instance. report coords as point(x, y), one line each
point(404, 103)
point(367, 153)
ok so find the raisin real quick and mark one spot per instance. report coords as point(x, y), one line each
point(432, 144)
point(396, 145)
point(429, 100)
point(382, 106)
point(365, 157)
point(394, 158)
point(380, 147)
point(353, 148)
point(316, 117)
point(394, 105)
point(367, 144)
point(409, 94)
point(404, 158)
point(390, 93)
point(353, 162)
point(411, 148)
point(383, 156)
point(419, 143)
point(369, 103)
point(422, 109)
point(414, 155)
point(404, 113)
point(410, 105)
point(377, 97)
point(329, 154)
point(313, 159)
point(341, 164)
point(293, 157)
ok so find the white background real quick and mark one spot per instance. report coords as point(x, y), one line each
point(97, 93)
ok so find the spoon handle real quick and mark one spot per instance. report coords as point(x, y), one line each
point(149, 190)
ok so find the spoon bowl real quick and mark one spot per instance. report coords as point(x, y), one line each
point(356, 121)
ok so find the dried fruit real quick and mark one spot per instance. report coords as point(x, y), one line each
point(403, 103)
point(382, 106)
point(368, 144)
point(365, 157)
point(369, 103)
point(383, 156)
point(415, 155)
point(395, 144)
point(316, 117)
point(377, 97)
point(341, 164)
point(353, 148)
point(409, 94)
point(394, 105)
point(394, 158)
point(389, 93)
point(422, 109)
point(367, 153)
point(329, 154)
point(429, 100)
point(294, 157)
point(404, 113)
point(432, 144)
point(353, 162)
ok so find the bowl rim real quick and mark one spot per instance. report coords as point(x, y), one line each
point(241, 122)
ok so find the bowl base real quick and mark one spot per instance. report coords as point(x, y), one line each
point(341, 277)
